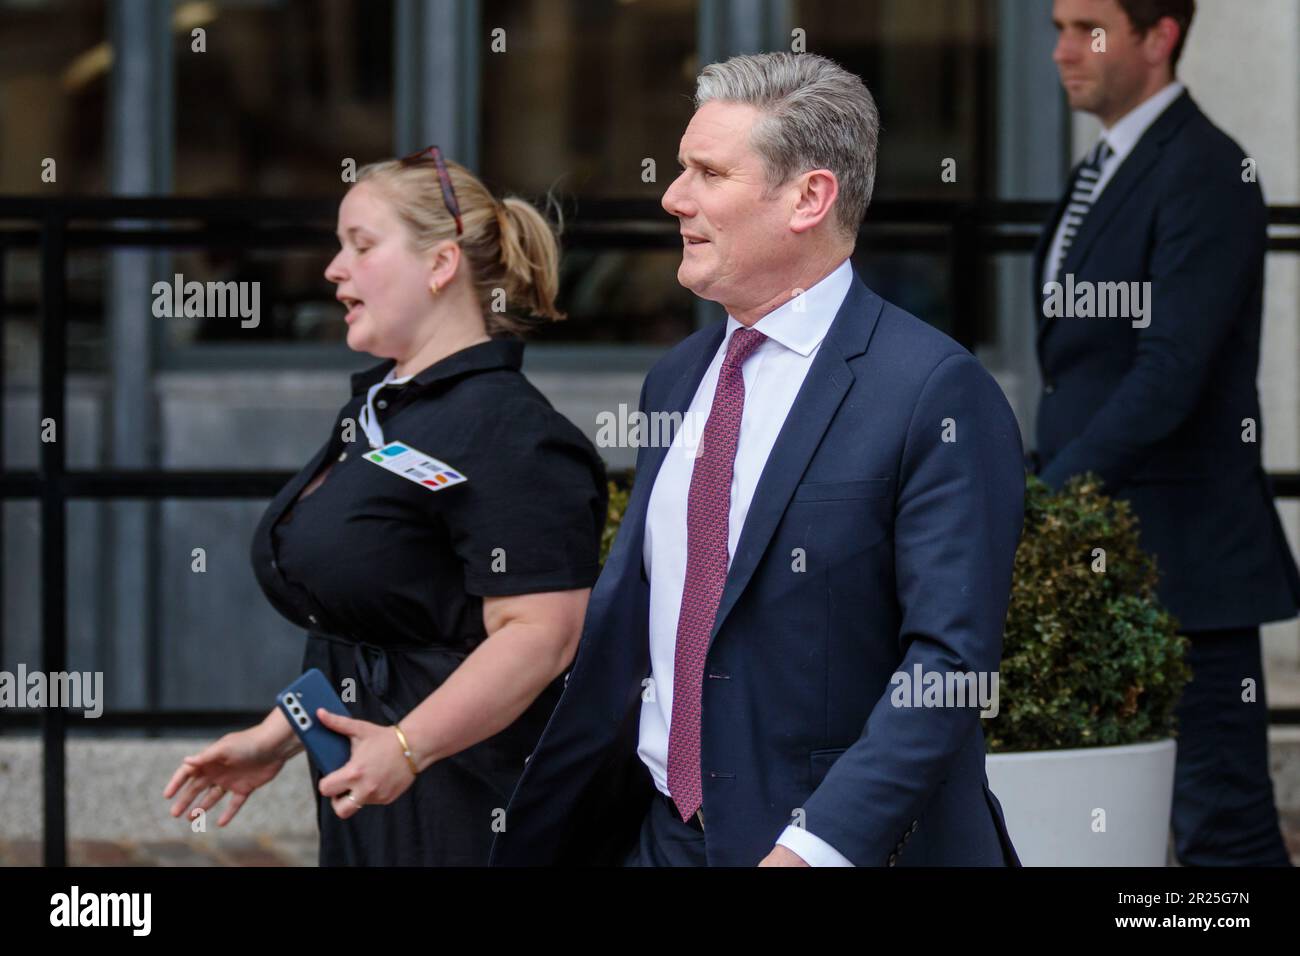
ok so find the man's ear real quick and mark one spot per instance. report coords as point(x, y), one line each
point(1160, 41)
point(816, 199)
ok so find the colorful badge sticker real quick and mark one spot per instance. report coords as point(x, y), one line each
point(413, 465)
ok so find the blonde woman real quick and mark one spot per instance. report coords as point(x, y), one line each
point(450, 599)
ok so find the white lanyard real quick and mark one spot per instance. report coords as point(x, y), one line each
point(367, 419)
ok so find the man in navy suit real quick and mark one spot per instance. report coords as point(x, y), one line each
point(748, 688)
point(1159, 398)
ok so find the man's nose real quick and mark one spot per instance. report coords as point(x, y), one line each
point(1066, 49)
point(674, 199)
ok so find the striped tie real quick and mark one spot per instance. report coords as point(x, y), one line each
point(1085, 188)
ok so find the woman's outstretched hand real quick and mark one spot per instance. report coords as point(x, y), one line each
point(236, 764)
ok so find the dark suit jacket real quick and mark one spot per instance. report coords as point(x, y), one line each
point(909, 543)
point(1158, 412)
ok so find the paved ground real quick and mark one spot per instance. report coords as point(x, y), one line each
point(266, 852)
point(262, 852)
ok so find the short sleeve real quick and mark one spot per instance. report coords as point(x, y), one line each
point(533, 508)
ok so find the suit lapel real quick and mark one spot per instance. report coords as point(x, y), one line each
point(828, 381)
point(679, 400)
point(1130, 174)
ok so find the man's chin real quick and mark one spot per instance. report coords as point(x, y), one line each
point(1081, 99)
point(692, 280)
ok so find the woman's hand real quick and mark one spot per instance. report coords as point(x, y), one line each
point(377, 771)
point(237, 763)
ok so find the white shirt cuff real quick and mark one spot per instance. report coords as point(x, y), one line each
point(812, 849)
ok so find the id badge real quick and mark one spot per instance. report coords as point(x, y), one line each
point(413, 465)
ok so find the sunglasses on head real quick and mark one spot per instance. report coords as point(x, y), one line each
point(448, 194)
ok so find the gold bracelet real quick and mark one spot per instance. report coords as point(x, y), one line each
point(406, 751)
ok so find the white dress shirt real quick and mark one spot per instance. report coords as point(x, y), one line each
point(1122, 137)
point(773, 375)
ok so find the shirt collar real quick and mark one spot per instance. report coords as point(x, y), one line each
point(498, 353)
point(801, 323)
point(1126, 132)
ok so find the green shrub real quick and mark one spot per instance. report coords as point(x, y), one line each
point(613, 517)
point(1089, 658)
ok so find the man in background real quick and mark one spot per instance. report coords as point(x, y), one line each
point(1160, 401)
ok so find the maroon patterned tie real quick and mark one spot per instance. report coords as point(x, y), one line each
point(708, 510)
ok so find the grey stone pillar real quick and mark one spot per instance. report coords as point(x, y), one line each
point(436, 47)
point(140, 136)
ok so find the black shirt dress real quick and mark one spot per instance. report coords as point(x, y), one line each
point(388, 577)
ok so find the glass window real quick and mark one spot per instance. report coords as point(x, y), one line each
point(577, 102)
point(284, 92)
point(54, 61)
point(294, 301)
point(930, 64)
point(584, 92)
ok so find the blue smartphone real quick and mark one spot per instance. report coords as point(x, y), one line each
point(328, 749)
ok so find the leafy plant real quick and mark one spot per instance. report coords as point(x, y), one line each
point(613, 516)
point(1089, 655)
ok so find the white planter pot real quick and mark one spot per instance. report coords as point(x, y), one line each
point(1054, 802)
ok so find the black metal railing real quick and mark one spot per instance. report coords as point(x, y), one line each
point(967, 233)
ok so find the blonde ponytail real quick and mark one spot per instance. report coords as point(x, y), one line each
point(530, 255)
point(511, 248)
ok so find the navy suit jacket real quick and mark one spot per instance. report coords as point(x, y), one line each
point(1158, 412)
point(909, 542)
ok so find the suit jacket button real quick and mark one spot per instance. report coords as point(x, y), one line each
point(1049, 387)
point(893, 857)
point(913, 830)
